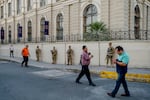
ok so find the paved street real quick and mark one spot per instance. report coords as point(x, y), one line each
point(34, 83)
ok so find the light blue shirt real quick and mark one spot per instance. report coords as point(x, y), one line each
point(124, 58)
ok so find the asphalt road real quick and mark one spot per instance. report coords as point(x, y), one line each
point(17, 83)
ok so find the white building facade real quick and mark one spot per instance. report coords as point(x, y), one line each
point(40, 20)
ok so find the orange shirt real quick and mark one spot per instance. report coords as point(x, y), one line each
point(25, 52)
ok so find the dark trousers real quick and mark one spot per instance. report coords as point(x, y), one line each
point(85, 70)
point(120, 80)
point(11, 53)
point(25, 60)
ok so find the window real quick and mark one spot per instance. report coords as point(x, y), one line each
point(59, 27)
point(42, 3)
point(9, 9)
point(2, 35)
point(19, 31)
point(89, 16)
point(29, 5)
point(18, 6)
point(29, 31)
point(42, 25)
point(2, 12)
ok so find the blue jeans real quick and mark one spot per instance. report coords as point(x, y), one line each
point(121, 79)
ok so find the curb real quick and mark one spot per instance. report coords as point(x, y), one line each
point(133, 77)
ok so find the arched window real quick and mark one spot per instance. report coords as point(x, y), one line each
point(2, 35)
point(29, 31)
point(89, 16)
point(137, 22)
point(9, 34)
point(59, 27)
point(42, 25)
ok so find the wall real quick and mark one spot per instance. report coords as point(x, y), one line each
point(139, 51)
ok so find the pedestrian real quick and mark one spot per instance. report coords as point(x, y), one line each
point(85, 61)
point(121, 68)
point(38, 53)
point(54, 55)
point(110, 54)
point(11, 49)
point(25, 54)
point(69, 55)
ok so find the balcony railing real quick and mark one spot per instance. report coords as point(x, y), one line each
point(113, 35)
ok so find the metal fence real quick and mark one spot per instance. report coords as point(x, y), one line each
point(112, 35)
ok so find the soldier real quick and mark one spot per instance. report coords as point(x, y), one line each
point(38, 53)
point(69, 55)
point(110, 54)
point(54, 55)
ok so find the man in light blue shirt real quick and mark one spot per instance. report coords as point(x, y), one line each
point(121, 68)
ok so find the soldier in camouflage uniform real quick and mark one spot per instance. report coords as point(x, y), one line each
point(110, 54)
point(54, 55)
point(38, 53)
point(69, 55)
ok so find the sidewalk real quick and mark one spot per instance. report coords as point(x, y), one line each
point(134, 74)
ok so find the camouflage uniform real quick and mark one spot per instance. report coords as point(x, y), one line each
point(69, 55)
point(110, 54)
point(38, 53)
point(54, 55)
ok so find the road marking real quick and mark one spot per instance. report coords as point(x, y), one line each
point(52, 73)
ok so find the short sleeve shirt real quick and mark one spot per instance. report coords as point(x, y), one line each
point(124, 57)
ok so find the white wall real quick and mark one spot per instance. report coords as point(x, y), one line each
point(139, 51)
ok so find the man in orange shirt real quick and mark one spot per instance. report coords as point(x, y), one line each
point(25, 54)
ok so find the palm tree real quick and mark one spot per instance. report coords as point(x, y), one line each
point(97, 31)
point(97, 27)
